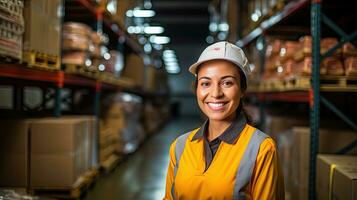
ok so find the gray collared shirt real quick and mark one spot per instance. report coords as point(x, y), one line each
point(228, 136)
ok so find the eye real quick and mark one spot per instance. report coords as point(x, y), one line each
point(227, 83)
point(205, 84)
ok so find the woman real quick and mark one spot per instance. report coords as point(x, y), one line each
point(226, 158)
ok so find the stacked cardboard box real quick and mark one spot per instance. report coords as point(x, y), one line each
point(47, 152)
point(42, 16)
point(336, 177)
point(111, 126)
point(77, 40)
point(135, 69)
point(11, 28)
point(294, 147)
point(291, 58)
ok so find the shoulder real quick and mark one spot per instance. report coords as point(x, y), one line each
point(185, 136)
point(268, 143)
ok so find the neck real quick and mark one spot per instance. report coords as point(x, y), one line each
point(216, 128)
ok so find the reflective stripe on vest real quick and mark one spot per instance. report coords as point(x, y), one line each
point(247, 164)
point(244, 171)
point(179, 147)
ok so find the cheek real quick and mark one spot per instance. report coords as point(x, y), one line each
point(201, 94)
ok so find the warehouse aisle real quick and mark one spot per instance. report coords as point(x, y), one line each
point(142, 176)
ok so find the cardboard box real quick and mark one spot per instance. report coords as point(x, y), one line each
point(298, 166)
point(91, 142)
point(275, 125)
point(14, 152)
point(135, 69)
point(41, 16)
point(56, 152)
point(341, 171)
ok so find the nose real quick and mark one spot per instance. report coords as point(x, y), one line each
point(216, 91)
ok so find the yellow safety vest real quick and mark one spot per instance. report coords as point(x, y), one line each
point(247, 169)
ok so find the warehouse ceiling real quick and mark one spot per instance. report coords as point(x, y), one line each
point(185, 21)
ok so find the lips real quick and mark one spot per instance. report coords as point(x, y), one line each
point(216, 106)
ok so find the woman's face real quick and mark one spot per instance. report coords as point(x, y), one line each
point(218, 89)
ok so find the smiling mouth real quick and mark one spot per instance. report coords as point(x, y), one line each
point(216, 106)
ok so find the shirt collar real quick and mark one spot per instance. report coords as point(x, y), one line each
point(230, 134)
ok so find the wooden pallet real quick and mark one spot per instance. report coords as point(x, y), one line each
point(76, 191)
point(110, 78)
point(109, 164)
point(81, 70)
point(41, 61)
point(272, 85)
point(327, 82)
point(9, 59)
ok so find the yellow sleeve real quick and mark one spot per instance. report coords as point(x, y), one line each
point(267, 179)
point(170, 172)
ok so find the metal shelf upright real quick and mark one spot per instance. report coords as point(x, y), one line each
point(316, 18)
point(305, 95)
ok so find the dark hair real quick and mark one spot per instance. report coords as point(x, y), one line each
point(243, 87)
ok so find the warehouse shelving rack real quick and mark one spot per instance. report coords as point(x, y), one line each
point(311, 95)
point(19, 76)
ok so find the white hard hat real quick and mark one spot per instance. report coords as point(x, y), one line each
point(224, 51)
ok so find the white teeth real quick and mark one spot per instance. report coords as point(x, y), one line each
point(216, 105)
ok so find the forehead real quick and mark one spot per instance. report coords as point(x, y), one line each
point(218, 68)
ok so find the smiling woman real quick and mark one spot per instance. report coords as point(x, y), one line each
point(226, 158)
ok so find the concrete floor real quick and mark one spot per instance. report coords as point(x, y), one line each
point(142, 175)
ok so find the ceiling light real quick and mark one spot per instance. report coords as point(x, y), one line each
point(153, 30)
point(213, 27)
point(159, 39)
point(170, 59)
point(157, 46)
point(143, 13)
point(129, 13)
point(209, 39)
point(131, 29)
point(223, 27)
point(147, 48)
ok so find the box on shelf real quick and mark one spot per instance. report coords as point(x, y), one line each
point(341, 172)
point(14, 153)
point(135, 69)
point(294, 145)
point(56, 152)
point(41, 16)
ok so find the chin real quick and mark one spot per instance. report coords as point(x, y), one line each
point(218, 117)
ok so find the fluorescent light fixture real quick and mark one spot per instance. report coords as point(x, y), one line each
point(223, 27)
point(157, 46)
point(147, 5)
point(171, 64)
point(169, 51)
point(213, 27)
point(147, 48)
point(172, 70)
point(159, 39)
point(170, 59)
point(169, 54)
point(131, 29)
point(153, 30)
point(143, 13)
point(129, 13)
point(222, 35)
point(209, 39)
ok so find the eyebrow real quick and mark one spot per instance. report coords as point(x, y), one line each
point(224, 77)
